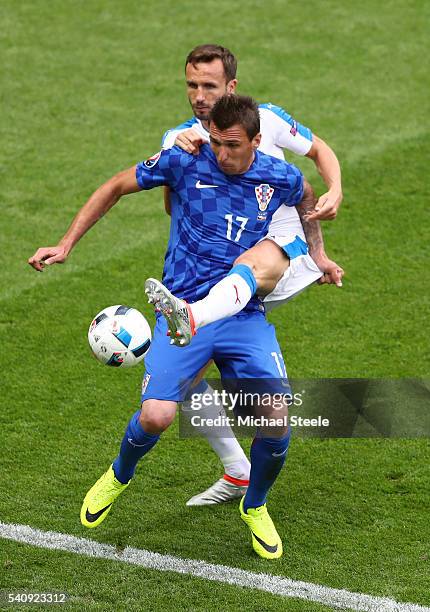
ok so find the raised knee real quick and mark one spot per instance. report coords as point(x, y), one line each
point(266, 263)
point(155, 416)
point(247, 260)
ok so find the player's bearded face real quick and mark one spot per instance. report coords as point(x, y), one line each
point(233, 149)
point(206, 82)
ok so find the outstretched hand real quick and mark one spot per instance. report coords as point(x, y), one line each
point(190, 141)
point(46, 256)
point(326, 208)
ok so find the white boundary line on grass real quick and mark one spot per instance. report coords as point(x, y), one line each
point(277, 585)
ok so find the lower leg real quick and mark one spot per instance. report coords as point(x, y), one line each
point(221, 439)
point(267, 458)
point(142, 433)
point(256, 271)
point(228, 297)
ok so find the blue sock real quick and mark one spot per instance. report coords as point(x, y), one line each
point(265, 468)
point(135, 443)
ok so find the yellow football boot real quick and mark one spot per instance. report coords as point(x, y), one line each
point(99, 499)
point(265, 539)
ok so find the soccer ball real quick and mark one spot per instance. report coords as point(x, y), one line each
point(119, 336)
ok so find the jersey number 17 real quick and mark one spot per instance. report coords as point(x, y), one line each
point(242, 220)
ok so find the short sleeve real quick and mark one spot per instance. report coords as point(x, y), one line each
point(163, 168)
point(287, 132)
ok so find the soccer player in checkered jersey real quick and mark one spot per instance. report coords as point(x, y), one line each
point(242, 346)
point(210, 72)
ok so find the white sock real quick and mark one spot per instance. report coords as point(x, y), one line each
point(222, 438)
point(225, 299)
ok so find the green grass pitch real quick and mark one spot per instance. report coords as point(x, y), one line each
point(87, 89)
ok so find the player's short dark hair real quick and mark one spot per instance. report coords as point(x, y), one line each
point(233, 109)
point(207, 53)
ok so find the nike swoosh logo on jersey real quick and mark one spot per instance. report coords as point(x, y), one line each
point(279, 454)
point(91, 518)
point(270, 549)
point(200, 186)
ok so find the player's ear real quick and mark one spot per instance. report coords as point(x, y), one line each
point(231, 86)
point(256, 141)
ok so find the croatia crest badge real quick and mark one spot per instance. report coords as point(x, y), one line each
point(263, 193)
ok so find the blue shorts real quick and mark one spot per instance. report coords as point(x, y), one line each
point(243, 347)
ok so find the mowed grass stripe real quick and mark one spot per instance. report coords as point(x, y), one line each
point(337, 598)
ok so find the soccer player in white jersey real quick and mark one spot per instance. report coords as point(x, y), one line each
point(210, 72)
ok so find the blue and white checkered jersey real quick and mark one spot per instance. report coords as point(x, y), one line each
point(279, 132)
point(220, 217)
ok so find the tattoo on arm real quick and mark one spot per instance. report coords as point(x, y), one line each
point(312, 229)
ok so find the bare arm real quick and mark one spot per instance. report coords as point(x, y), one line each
point(98, 205)
point(328, 167)
point(312, 229)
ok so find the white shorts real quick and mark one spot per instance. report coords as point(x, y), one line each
point(287, 232)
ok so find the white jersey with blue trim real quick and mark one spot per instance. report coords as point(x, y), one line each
point(279, 131)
